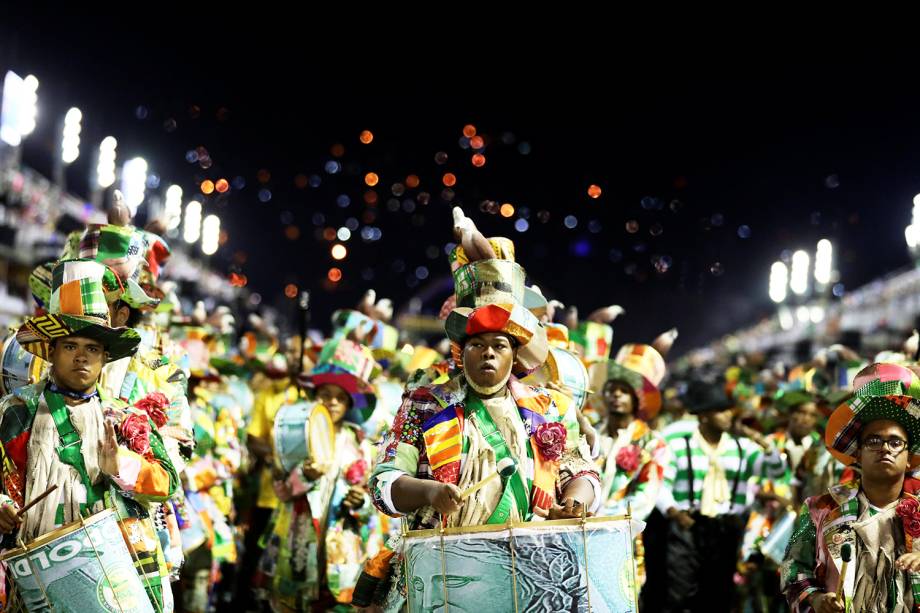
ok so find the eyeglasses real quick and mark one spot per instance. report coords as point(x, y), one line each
point(874, 443)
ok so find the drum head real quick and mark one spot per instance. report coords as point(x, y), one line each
point(321, 436)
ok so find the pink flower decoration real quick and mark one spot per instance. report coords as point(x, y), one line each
point(154, 404)
point(550, 440)
point(628, 458)
point(356, 472)
point(135, 431)
point(909, 512)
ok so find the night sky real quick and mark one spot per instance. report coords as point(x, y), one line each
point(716, 169)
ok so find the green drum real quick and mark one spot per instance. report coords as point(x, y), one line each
point(82, 567)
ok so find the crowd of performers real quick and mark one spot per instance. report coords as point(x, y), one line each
point(254, 472)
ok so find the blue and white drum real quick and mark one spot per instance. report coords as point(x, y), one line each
point(302, 431)
point(19, 367)
point(565, 369)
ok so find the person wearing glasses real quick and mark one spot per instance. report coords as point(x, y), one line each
point(874, 520)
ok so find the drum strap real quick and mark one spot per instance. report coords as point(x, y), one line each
point(69, 451)
point(514, 486)
point(690, 472)
point(731, 506)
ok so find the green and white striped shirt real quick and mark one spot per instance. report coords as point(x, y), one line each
point(740, 469)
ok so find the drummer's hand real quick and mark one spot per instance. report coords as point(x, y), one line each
point(282, 490)
point(9, 521)
point(587, 430)
point(312, 472)
point(827, 602)
point(909, 562)
point(354, 499)
point(683, 519)
point(445, 497)
point(108, 451)
point(570, 509)
point(755, 436)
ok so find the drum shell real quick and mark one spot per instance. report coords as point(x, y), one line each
point(77, 565)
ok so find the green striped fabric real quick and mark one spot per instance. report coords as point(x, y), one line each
point(751, 465)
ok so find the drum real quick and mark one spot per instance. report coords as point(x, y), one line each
point(303, 430)
point(81, 567)
point(563, 565)
point(19, 367)
point(774, 546)
point(564, 368)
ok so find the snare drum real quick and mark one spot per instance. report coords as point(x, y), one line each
point(303, 430)
point(81, 567)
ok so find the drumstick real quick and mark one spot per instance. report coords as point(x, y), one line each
point(845, 556)
point(35, 501)
point(578, 389)
point(506, 467)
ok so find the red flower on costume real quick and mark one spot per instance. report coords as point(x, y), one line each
point(550, 439)
point(909, 511)
point(356, 472)
point(154, 404)
point(135, 431)
point(628, 458)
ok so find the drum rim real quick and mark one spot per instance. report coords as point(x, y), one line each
point(64, 530)
point(309, 432)
point(458, 530)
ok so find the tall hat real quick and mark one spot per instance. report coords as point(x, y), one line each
point(40, 284)
point(491, 296)
point(134, 254)
point(351, 366)
point(883, 391)
point(642, 367)
point(381, 338)
point(593, 337)
point(485, 271)
point(121, 248)
point(77, 306)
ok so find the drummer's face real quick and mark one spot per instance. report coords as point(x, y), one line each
point(487, 358)
point(619, 397)
point(77, 362)
point(335, 399)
